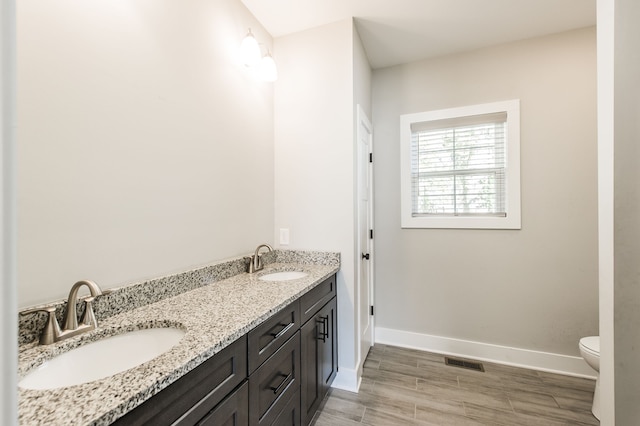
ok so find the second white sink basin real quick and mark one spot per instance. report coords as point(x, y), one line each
point(102, 358)
point(283, 276)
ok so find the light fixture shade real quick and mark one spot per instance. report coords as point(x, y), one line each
point(268, 70)
point(249, 50)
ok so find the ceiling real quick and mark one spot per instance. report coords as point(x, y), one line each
point(400, 31)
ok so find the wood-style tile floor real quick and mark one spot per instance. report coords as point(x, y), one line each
point(410, 387)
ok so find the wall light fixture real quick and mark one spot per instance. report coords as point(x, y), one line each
point(250, 50)
point(251, 56)
point(267, 69)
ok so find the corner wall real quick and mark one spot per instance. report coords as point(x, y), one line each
point(533, 290)
point(626, 220)
point(314, 172)
point(605, 34)
point(144, 146)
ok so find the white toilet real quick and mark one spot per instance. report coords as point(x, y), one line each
point(590, 351)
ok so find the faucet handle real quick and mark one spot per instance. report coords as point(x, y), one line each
point(34, 310)
point(51, 330)
point(259, 264)
point(88, 317)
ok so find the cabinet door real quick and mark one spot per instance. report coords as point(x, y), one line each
point(319, 356)
point(311, 392)
point(233, 411)
point(329, 347)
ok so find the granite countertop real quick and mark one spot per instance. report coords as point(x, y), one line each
point(212, 316)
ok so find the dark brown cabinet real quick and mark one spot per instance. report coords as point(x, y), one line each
point(290, 414)
point(268, 337)
point(194, 395)
point(230, 412)
point(277, 374)
point(329, 358)
point(319, 359)
point(274, 383)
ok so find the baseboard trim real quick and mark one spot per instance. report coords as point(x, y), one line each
point(347, 379)
point(516, 357)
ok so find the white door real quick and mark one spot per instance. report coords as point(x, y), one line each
point(365, 240)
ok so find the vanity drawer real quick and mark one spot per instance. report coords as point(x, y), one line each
point(265, 339)
point(272, 386)
point(316, 298)
point(195, 394)
point(234, 410)
point(290, 414)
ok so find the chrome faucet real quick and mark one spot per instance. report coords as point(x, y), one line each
point(52, 332)
point(255, 263)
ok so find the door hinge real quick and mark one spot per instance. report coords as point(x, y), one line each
point(371, 310)
point(371, 234)
point(371, 157)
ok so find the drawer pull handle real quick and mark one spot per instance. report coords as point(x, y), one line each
point(325, 326)
point(281, 385)
point(285, 328)
point(320, 335)
point(325, 320)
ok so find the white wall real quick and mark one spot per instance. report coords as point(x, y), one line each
point(362, 74)
point(626, 221)
point(606, 26)
point(144, 147)
point(619, 203)
point(314, 157)
point(534, 288)
point(8, 312)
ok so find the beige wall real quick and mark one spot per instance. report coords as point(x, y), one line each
point(144, 147)
point(534, 288)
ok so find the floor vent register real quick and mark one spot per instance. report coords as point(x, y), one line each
point(470, 365)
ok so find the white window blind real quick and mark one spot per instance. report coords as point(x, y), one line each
point(458, 166)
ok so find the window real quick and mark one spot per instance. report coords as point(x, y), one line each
point(461, 167)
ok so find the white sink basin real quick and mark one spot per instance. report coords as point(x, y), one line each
point(102, 358)
point(283, 276)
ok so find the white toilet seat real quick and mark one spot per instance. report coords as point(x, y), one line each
point(591, 345)
point(590, 351)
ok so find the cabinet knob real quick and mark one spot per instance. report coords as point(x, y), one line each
point(365, 256)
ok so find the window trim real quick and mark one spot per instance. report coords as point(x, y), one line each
point(512, 219)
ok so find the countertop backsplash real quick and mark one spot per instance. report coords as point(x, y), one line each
point(134, 295)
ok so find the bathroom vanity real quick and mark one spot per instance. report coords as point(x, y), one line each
point(277, 374)
point(254, 352)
